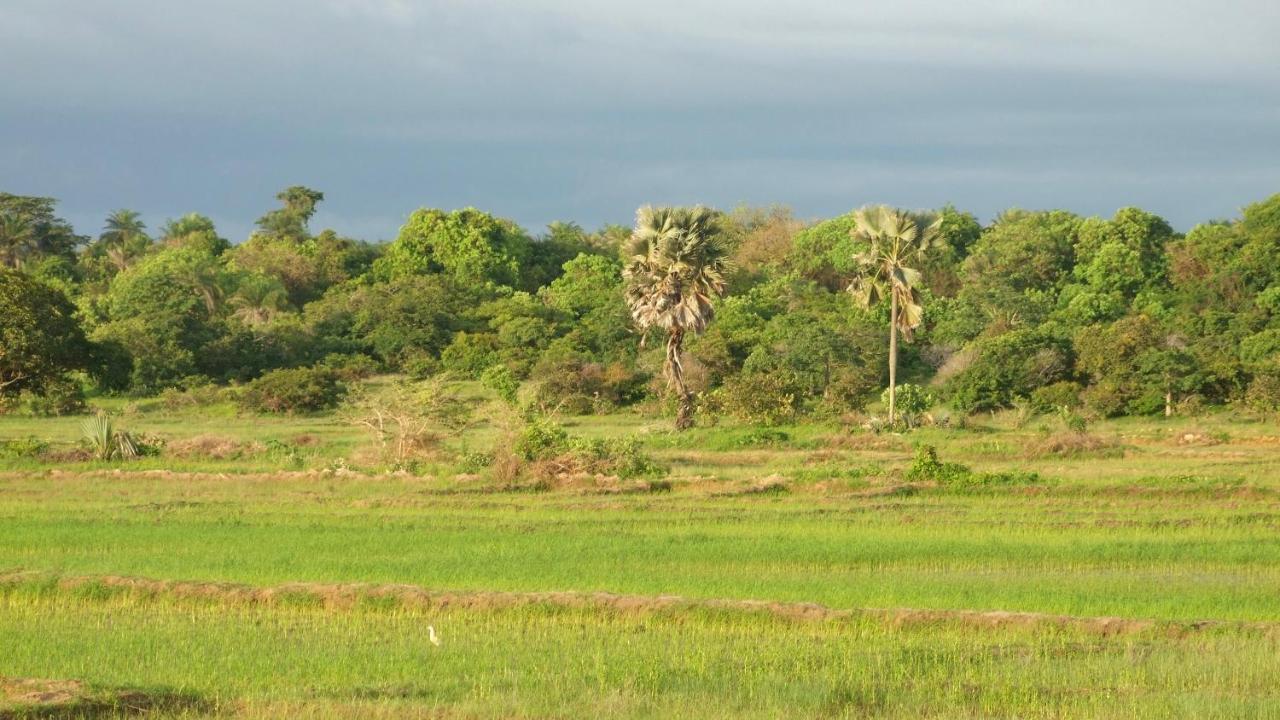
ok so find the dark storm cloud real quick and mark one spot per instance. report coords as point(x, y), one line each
point(573, 109)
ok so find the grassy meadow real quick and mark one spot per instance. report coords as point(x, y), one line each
point(267, 567)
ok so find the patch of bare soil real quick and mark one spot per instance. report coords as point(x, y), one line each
point(347, 595)
point(35, 698)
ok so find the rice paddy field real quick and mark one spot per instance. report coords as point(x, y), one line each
point(258, 569)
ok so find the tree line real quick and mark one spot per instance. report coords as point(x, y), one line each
point(750, 312)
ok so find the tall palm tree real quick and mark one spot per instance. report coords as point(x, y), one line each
point(677, 266)
point(895, 242)
point(124, 237)
point(17, 240)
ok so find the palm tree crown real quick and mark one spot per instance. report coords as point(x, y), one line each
point(676, 268)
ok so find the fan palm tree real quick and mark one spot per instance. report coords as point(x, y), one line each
point(205, 281)
point(17, 240)
point(677, 266)
point(258, 299)
point(895, 242)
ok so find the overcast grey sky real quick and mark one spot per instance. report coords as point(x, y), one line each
point(584, 109)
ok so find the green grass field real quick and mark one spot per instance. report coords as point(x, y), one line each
point(796, 576)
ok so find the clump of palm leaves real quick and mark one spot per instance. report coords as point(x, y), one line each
point(106, 441)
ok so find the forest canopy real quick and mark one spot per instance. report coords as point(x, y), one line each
point(1108, 316)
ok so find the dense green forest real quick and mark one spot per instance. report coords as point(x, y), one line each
point(1040, 308)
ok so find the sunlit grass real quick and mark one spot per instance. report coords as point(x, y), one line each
point(1152, 529)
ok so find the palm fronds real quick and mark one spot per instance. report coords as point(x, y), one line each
point(106, 441)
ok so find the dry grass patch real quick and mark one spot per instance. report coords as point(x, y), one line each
point(1075, 444)
point(855, 440)
point(213, 447)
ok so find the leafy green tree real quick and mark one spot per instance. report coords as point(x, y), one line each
point(595, 320)
point(760, 240)
point(291, 220)
point(676, 269)
point(30, 229)
point(40, 339)
point(546, 256)
point(1137, 365)
point(808, 336)
point(305, 268)
point(164, 309)
point(895, 243)
point(1000, 369)
point(824, 252)
point(1023, 251)
point(398, 320)
point(468, 245)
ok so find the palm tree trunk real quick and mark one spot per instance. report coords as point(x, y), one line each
point(675, 372)
point(893, 356)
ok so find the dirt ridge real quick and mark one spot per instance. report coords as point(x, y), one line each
point(347, 595)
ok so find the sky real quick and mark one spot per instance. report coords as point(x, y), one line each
point(584, 110)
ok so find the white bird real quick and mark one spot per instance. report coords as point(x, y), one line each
point(431, 635)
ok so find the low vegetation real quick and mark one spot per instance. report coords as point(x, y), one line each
point(891, 464)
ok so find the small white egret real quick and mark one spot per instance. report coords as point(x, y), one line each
point(431, 635)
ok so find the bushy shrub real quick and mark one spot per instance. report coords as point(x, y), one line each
point(761, 398)
point(545, 449)
point(196, 395)
point(927, 467)
point(58, 397)
point(294, 390)
point(408, 420)
point(420, 366)
point(911, 402)
point(849, 389)
point(28, 448)
point(1106, 398)
point(1058, 395)
point(351, 367)
point(624, 457)
point(1263, 393)
point(541, 438)
point(502, 381)
point(577, 387)
point(471, 354)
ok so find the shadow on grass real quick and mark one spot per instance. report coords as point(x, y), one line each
point(24, 699)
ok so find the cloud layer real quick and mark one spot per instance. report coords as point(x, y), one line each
point(570, 109)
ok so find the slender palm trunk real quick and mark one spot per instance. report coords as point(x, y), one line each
point(893, 356)
point(675, 372)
